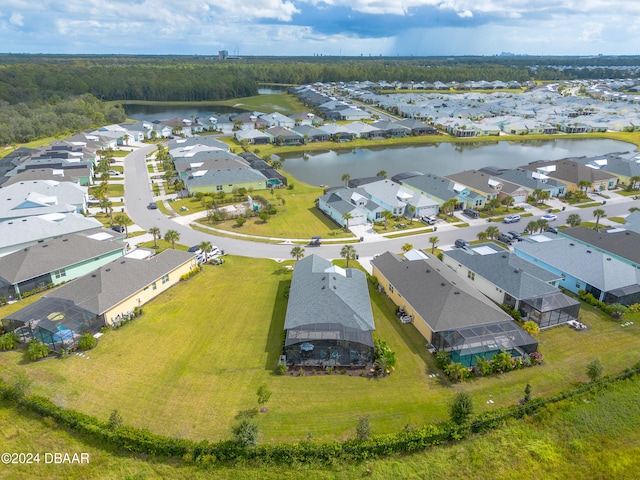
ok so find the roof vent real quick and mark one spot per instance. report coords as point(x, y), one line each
point(65, 239)
point(588, 251)
point(122, 262)
point(93, 275)
point(428, 271)
point(608, 259)
point(456, 292)
point(334, 287)
point(108, 270)
point(323, 287)
point(572, 244)
point(442, 284)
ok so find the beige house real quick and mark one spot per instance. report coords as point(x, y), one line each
point(105, 296)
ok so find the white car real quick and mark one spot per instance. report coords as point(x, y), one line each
point(549, 217)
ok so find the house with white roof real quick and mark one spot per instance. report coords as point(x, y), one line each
point(39, 197)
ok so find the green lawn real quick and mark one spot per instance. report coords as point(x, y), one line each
point(206, 345)
point(592, 436)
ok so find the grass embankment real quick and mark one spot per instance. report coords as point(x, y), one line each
point(206, 345)
point(592, 436)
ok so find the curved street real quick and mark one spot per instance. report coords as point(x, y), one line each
point(138, 194)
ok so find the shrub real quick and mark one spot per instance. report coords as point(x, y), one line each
point(461, 408)
point(442, 359)
point(9, 341)
point(363, 429)
point(594, 370)
point(281, 368)
point(245, 433)
point(115, 420)
point(36, 349)
point(531, 327)
point(87, 342)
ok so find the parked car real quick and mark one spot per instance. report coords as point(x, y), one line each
point(462, 243)
point(552, 230)
point(511, 219)
point(506, 238)
point(516, 236)
point(429, 219)
point(114, 173)
point(549, 217)
point(315, 241)
point(152, 206)
point(118, 228)
point(470, 212)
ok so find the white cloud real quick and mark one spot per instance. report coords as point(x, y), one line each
point(16, 19)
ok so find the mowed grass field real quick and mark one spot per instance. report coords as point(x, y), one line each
point(197, 356)
point(590, 437)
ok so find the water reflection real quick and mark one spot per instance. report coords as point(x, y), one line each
point(326, 167)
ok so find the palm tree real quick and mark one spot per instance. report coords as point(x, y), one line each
point(123, 221)
point(345, 178)
point(598, 213)
point(348, 253)
point(434, 243)
point(493, 203)
point(492, 232)
point(536, 194)
point(584, 185)
point(155, 231)
point(382, 173)
point(482, 236)
point(634, 182)
point(386, 215)
point(407, 247)
point(172, 236)
point(508, 201)
point(545, 195)
point(206, 248)
point(532, 227)
point(574, 220)
point(346, 217)
point(543, 225)
point(412, 212)
point(297, 252)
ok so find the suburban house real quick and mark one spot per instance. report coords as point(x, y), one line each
point(56, 261)
point(40, 197)
point(225, 180)
point(274, 177)
point(284, 136)
point(632, 221)
point(399, 200)
point(354, 203)
point(207, 160)
point(572, 173)
point(253, 137)
point(625, 166)
point(104, 297)
point(416, 127)
point(391, 129)
point(365, 130)
point(205, 141)
point(28, 231)
point(80, 170)
point(329, 320)
point(339, 133)
point(305, 118)
point(441, 190)
point(448, 311)
point(311, 134)
point(490, 186)
point(619, 243)
point(508, 279)
point(528, 179)
point(583, 267)
point(276, 119)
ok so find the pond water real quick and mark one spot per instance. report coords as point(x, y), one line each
point(270, 90)
point(163, 112)
point(327, 167)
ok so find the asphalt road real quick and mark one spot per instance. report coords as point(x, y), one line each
point(138, 194)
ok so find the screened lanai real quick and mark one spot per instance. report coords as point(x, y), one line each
point(56, 322)
point(551, 309)
point(465, 344)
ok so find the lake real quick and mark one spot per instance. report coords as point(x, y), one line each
point(163, 112)
point(327, 167)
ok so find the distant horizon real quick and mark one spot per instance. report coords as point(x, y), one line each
point(333, 28)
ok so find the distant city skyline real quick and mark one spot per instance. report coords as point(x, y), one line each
point(321, 27)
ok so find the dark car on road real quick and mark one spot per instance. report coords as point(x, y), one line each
point(462, 243)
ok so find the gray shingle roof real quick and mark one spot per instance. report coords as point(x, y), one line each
point(54, 254)
point(323, 293)
point(108, 286)
point(617, 241)
point(516, 276)
point(226, 176)
point(442, 299)
point(582, 262)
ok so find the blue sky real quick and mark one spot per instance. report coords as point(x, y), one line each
point(321, 27)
